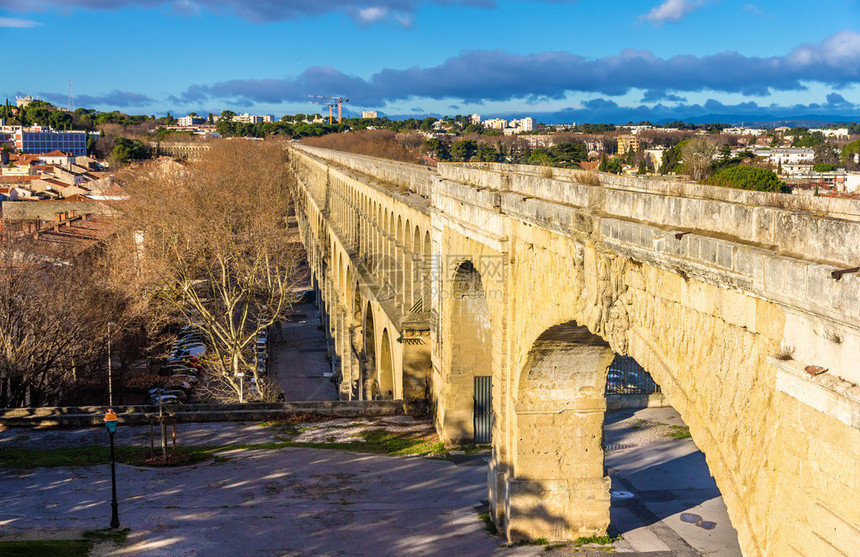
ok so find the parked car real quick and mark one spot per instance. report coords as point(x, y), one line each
point(176, 367)
point(178, 393)
point(614, 381)
point(163, 399)
point(179, 385)
point(196, 350)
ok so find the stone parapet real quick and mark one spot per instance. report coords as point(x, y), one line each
point(410, 176)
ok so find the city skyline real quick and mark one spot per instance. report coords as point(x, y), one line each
point(557, 61)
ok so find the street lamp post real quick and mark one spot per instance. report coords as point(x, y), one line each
point(110, 424)
point(110, 371)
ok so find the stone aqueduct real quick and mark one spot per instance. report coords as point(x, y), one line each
point(534, 277)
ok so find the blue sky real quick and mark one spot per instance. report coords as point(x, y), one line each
point(558, 60)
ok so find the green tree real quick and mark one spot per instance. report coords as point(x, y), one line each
point(487, 153)
point(609, 165)
point(748, 178)
point(463, 150)
point(227, 114)
point(570, 152)
point(849, 152)
point(642, 168)
point(541, 156)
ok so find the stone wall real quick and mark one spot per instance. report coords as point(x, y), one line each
point(724, 296)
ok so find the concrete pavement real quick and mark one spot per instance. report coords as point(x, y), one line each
point(298, 354)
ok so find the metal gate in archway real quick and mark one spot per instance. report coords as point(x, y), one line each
point(483, 414)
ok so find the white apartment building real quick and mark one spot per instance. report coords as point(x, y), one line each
point(190, 120)
point(252, 119)
point(744, 131)
point(787, 156)
point(369, 114)
point(636, 129)
point(526, 124)
point(831, 132)
point(42, 139)
point(475, 118)
point(496, 123)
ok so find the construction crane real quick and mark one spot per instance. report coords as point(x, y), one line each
point(330, 107)
point(340, 101)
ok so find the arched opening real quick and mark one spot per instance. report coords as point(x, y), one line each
point(426, 287)
point(386, 368)
point(368, 368)
point(663, 495)
point(596, 449)
point(557, 488)
point(471, 361)
point(417, 270)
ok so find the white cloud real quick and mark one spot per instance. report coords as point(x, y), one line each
point(372, 14)
point(672, 10)
point(17, 23)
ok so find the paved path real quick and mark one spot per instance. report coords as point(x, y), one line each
point(316, 502)
point(668, 480)
point(299, 357)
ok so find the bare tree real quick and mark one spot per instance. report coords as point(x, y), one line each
point(208, 244)
point(697, 154)
point(52, 323)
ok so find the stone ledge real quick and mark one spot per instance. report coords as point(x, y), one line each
point(827, 393)
point(189, 413)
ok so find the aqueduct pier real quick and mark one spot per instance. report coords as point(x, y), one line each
point(498, 294)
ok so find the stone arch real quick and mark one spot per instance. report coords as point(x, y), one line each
point(368, 371)
point(419, 267)
point(407, 236)
point(408, 266)
point(427, 287)
point(386, 367)
point(556, 487)
point(471, 354)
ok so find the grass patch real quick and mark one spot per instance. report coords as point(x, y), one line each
point(383, 442)
point(376, 441)
point(596, 540)
point(679, 432)
point(489, 525)
point(115, 535)
point(96, 454)
point(46, 548)
point(473, 449)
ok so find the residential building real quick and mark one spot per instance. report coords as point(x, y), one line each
point(496, 123)
point(22, 102)
point(42, 139)
point(190, 120)
point(475, 118)
point(627, 142)
point(744, 131)
point(527, 124)
point(654, 157)
point(369, 114)
point(831, 132)
point(636, 129)
point(252, 119)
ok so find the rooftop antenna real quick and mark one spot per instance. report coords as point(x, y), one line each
point(71, 104)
